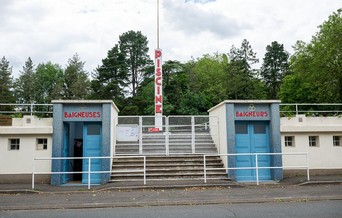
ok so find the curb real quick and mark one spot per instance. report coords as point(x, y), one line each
point(172, 203)
point(320, 182)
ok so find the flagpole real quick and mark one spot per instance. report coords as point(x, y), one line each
point(158, 83)
point(158, 24)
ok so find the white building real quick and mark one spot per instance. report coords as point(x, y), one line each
point(26, 138)
point(29, 137)
point(319, 137)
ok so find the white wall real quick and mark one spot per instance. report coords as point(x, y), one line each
point(325, 156)
point(27, 129)
point(219, 111)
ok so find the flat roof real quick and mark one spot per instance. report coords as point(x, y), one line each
point(85, 102)
point(245, 102)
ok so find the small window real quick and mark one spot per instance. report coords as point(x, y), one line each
point(241, 128)
point(313, 141)
point(337, 140)
point(94, 129)
point(289, 141)
point(259, 128)
point(14, 144)
point(42, 144)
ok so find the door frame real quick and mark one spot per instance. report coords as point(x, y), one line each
point(252, 148)
point(95, 178)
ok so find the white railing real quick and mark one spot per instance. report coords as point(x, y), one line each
point(88, 171)
point(293, 108)
point(313, 108)
point(256, 167)
point(143, 170)
point(182, 126)
point(33, 108)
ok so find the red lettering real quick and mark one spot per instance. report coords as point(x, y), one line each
point(158, 54)
point(158, 108)
point(82, 114)
point(251, 114)
point(159, 99)
point(158, 90)
point(158, 71)
point(158, 81)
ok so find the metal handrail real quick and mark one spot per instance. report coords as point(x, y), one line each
point(89, 171)
point(167, 130)
point(298, 111)
point(256, 167)
point(31, 107)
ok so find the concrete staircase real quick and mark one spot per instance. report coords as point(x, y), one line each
point(179, 143)
point(181, 163)
point(179, 167)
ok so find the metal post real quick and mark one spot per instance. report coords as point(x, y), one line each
point(167, 147)
point(157, 23)
point(296, 109)
point(31, 108)
point(140, 136)
point(205, 168)
point(193, 134)
point(33, 169)
point(144, 170)
point(218, 135)
point(89, 162)
point(256, 168)
point(307, 167)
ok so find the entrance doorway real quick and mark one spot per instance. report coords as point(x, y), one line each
point(82, 139)
point(92, 138)
point(252, 137)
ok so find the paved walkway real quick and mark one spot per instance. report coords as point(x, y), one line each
point(20, 197)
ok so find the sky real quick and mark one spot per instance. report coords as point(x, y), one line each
point(50, 30)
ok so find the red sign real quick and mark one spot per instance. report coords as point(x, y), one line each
point(158, 83)
point(153, 130)
point(82, 114)
point(251, 114)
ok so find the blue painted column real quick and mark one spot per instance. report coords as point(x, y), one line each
point(106, 134)
point(231, 139)
point(57, 143)
point(275, 137)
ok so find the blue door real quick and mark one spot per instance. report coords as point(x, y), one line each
point(252, 137)
point(65, 162)
point(92, 147)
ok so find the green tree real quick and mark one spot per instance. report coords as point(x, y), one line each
point(326, 51)
point(134, 46)
point(275, 66)
point(50, 80)
point(194, 103)
point(76, 82)
point(6, 82)
point(241, 80)
point(244, 56)
point(318, 64)
point(25, 85)
point(208, 76)
point(110, 78)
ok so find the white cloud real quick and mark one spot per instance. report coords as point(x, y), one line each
point(55, 30)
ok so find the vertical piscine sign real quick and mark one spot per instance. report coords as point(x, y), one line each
point(158, 90)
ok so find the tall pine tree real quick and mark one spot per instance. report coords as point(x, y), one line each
point(25, 85)
point(274, 68)
point(6, 82)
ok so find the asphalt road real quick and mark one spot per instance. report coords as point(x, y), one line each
point(316, 209)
